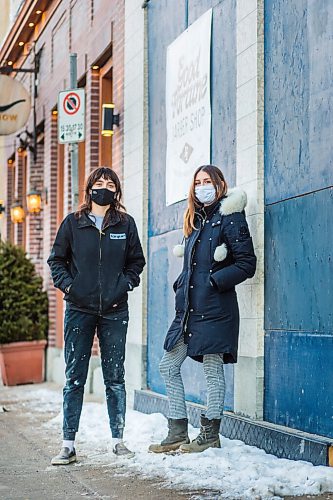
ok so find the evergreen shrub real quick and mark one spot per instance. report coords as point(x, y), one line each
point(23, 303)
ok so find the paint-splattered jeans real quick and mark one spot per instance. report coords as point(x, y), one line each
point(80, 329)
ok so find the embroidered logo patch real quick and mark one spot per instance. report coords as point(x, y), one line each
point(117, 236)
point(243, 231)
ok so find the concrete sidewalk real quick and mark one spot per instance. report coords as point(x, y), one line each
point(26, 473)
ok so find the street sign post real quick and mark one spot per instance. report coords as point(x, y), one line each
point(71, 116)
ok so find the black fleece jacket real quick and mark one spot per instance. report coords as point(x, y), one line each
point(98, 267)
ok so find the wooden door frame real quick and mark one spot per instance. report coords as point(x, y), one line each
point(103, 72)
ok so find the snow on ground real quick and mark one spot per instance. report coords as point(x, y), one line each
point(236, 470)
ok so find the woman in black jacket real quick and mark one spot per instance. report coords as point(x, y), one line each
point(218, 254)
point(95, 260)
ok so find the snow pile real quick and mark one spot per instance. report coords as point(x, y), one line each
point(34, 398)
point(236, 470)
point(43, 401)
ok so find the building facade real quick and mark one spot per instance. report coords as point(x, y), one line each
point(271, 121)
point(237, 147)
point(95, 31)
point(298, 206)
point(9, 11)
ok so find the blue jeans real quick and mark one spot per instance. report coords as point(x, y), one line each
point(80, 328)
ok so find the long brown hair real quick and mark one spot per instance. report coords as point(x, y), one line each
point(116, 208)
point(193, 203)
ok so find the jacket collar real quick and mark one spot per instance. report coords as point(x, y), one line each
point(210, 209)
point(85, 221)
point(234, 201)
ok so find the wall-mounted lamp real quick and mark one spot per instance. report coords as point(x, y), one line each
point(2, 208)
point(34, 202)
point(17, 214)
point(109, 118)
point(26, 141)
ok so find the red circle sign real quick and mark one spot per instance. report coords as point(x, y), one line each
point(71, 103)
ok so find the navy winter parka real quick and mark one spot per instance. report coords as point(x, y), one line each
point(217, 256)
point(99, 266)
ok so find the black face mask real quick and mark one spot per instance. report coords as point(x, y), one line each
point(103, 196)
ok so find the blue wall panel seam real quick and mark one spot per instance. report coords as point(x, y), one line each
point(299, 196)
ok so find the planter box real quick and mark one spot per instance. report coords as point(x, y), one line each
point(23, 362)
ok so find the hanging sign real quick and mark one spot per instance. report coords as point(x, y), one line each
point(71, 116)
point(188, 110)
point(14, 105)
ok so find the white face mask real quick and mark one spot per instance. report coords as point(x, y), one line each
point(205, 194)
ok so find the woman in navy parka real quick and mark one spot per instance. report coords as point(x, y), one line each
point(218, 255)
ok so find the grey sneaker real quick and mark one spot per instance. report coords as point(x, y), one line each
point(65, 457)
point(120, 450)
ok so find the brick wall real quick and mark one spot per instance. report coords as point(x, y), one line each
point(96, 27)
point(50, 214)
point(10, 201)
point(34, 222)
point(118, 85)
point(92, 121)
point(20, 177)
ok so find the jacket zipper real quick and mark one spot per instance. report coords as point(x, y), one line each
point(99, 270)
point(185, 317)
point(100, 273)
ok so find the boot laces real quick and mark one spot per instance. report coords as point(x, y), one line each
point(203, 434)
point(170, 429)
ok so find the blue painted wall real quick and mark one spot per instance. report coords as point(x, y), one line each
point(167, 19)
point(298, 214)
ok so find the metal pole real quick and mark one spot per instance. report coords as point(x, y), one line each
point(74, 146)
point(36, 69)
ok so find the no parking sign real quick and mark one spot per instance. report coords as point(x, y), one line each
point(71, 116)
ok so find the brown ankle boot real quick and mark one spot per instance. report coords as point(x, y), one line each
point(177, 436)
point(208, 436)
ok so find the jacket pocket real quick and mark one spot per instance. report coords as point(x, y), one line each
point(77, 293)
point(121, 288)
point(204, 297)
point(73, 285)
point(178, 282)
point(180, 293)
point(83, 293)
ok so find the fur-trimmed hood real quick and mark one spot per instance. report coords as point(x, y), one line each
point(234, 201)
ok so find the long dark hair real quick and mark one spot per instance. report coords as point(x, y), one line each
point(220, 186)
point(117, 208)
